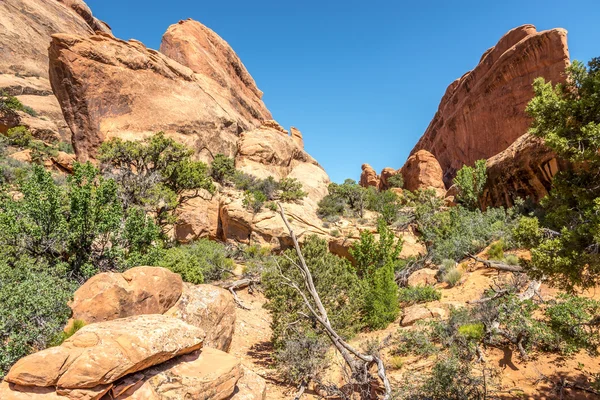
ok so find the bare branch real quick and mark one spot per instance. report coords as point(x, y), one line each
point(497, 265)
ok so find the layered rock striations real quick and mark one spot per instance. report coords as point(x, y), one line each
point(482, 113)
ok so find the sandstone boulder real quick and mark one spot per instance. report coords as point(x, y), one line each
point(423, 277)
point(423, 171)
point(140, 290)
point(250, 387)
point(61, 162)
point(210, 308)
point(198, 218)
point(101, 353)
point(416, 313)
point(386, 174)
point(208, 374)
point(108, 87)
point(482, 113)
point(368, 177)
point(10, 391)
point(524, 170)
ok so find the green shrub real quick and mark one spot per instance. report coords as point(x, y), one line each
point(470, 182)
point(335, 233)
point(511, 259)
point(66, 147)
point(222, 168)
point(473, 331)
point(348, 198)
point(302, 357)
point(70, 331)
point(418, 294)
point(496, 251)
point(454, 378)
point(254, 200)
point(12, 103)
point(291, 190)
point(19, 136)
point(452, 277)
point(414, 343)
point(396, 181)
point(527, 232)
point(447, 264)
point(385, 202)
point(199, 262)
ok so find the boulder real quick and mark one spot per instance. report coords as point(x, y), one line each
point(423, 277)
point(112, 88)
point(61, 162)
point(368, 177)
point(386, 174)
point(415, 313)
point(208, 374)
point(423, 171)
point(482, 113)
point(140, 290)
point(101, 353)
point(523, 170)
point(210, 308)
point(251, 386)
point(198, 218)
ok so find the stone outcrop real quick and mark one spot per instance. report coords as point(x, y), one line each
point(210, 308)
point(207, 374)
point(112, 88)
point(297, 137)
point(422, 171)
point(250, 387)
point(368, 177)
point(99, 354)
point(218, 67)
point(423, 277)
point(386, 174)
point(137, 291)
point(524, 170)
point(26, 27)
point(482, 113)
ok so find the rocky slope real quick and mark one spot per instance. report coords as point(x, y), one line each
point(25, 30)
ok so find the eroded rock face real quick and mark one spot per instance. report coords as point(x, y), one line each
point(194, 45)
point(423, 171)
point(368, 177)
point(208, 374)
point(524, 170)
point(101, 353)
point(210, 308)
point(141, 290)
point(482, 113)
point(26, 27)
point(109, 87)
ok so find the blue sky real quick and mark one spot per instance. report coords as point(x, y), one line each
point(360, 79)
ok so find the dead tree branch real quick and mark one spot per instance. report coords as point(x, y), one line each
point(497, 265)
point(320, 314)
point(236, 285)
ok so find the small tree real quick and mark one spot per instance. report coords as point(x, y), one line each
point(222, 168)
point(471, 182)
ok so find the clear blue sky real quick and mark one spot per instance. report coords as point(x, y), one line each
point(360, 79)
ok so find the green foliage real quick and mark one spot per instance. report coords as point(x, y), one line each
point(9, 102)
point(376, 263)
point(66, 147)
point(385, 202)
point(156, 173)
point(566, 117)
point(511, 259)
point(415, 343)
point(452, 276)
point(473, 331)
point(349, 198)
point(19, 136)
point(418, 294)
point(527, 232)
point(302, 357)
point(470, 182)
point(254, 200)
point(395, 181)
point(453, 378)
point(336, 282)
point(33, 308)
point(222, 168)
point(199, 262)
point(496, 251)
point(70, 331)
point(291, 190)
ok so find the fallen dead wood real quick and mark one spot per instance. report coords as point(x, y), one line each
point(497, 265)
point(236, 285)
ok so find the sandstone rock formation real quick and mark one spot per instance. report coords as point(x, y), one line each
point(99, 354)
point(368, 177)
point(25, 30)
point(250, 387)
point(137, 291)
point(386, 174)
point(61, 162)
point(210, 308)
point(482, 113)
point(423, 277)
point(524, 170)
point(207, 374)
point(422, 171)
point(108, 87)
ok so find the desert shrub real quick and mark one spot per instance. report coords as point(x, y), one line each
point(199, 262)
point(331, 206)
point(447, 264)
point(511, 259)
point(12, 103)
point(66, 147)
point(496, 251)
point(335, 280)
point(414, 343)
point(33, 308)
point(396, 181)
point(527, 233)
point(19, 136)
point(453, 378)
point(472, 331)
point(376, 263)
point(156, 173)
point(271, 205)
point(395, 362)
point(452, 276)
point(302, 357)
point(254, 200)
point(470, 182)
point(335, 233)
point(68, 332)
point(222, 168)
point(349, 198)
point(418, 294)
point(385, 202)
point(12, 170)
point(291, 190)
